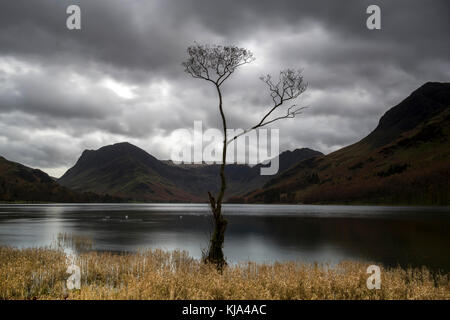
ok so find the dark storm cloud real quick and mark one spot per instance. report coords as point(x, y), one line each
point(120, 77)
point(152, 35)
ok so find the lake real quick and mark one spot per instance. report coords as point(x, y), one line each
point(412, 236)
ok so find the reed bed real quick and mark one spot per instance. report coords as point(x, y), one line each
point(76, 242)
point(40, 273)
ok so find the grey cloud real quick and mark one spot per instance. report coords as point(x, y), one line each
point(354, 74)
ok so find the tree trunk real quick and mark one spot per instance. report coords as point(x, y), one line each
point(215, 252)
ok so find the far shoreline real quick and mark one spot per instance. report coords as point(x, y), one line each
point(226, 203)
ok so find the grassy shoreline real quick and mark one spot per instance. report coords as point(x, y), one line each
point(40, 273)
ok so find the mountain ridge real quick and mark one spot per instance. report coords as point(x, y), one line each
point(125, 170)
point(404, 160)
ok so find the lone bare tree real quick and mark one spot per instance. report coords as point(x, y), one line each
point(215, 64)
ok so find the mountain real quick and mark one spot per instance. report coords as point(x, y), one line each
point(405, 160)
point(243, 182)
point(127, 171)
point(24, 184)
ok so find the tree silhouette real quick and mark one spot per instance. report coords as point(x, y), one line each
point(216, 64)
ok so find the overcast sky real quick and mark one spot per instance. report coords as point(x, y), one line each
point(120, 78)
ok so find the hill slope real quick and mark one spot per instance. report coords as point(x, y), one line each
point(405, 160)
point(24, 184)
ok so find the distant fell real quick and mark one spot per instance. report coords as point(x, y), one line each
point(19, 183)
point(422, 105)
point(125, 170)
point(405, 160)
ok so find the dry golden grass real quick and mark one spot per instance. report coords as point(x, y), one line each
point(40, 274)
point(75, 242)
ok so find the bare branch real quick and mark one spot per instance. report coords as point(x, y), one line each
point(215, 63)
point(289, 114)
point(290, 86)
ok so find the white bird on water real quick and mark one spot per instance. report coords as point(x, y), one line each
point(126, 217)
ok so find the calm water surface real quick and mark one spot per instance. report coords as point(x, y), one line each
point(265, 233)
